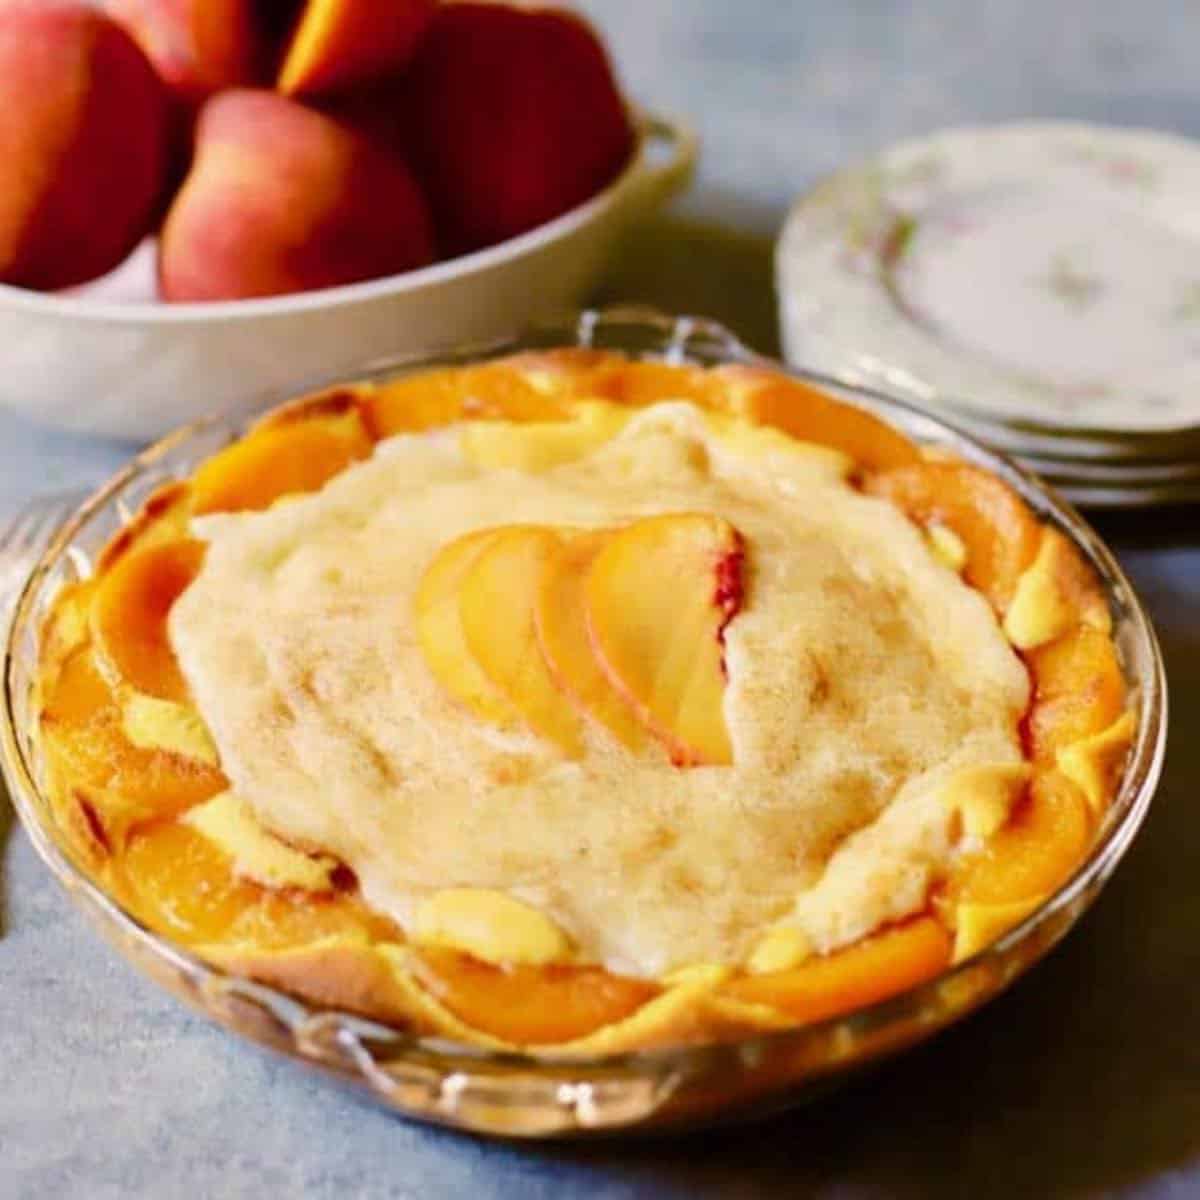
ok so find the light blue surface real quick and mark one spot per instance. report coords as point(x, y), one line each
point(1085, 1080)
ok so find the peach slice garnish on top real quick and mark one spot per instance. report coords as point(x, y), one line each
point(810, 415)
point(1078, 690)
point(129, 615)
point(441, 635)
point(560, 615)
point(882, 965)
point(658, 597)
point(1055, 592)
point(496, 607)
point(529, 1005)
point(999, 532)
point(280, 458)
point(431, 399)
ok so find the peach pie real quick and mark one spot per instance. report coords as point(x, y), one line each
point(580, 703)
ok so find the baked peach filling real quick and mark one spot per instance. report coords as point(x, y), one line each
point(573, 701)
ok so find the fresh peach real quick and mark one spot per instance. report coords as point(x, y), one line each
point(337, 44)
point(198, 46)
point(85, 133)
point(515, 117)
point(658, 596)
point(496, 607)
point(431, 399)
point(283, 199)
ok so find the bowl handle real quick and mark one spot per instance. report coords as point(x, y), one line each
point(670, 149)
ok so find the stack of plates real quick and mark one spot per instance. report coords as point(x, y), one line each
point(1039, 284)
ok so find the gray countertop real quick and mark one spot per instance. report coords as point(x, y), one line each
point(1085, 1079)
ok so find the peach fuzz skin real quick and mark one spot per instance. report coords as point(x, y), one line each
point(85, 141)
point(282, 199)
point(512, 117)
point(307, 46)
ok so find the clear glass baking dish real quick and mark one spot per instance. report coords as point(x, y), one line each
point(527, 1095)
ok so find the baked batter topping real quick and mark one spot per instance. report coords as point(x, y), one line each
point(862, 678)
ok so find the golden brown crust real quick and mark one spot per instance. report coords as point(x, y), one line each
point(1074, 724)
point(349, 977)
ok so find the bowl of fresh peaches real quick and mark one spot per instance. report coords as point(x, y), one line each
point(207, 197)
point(601, 729)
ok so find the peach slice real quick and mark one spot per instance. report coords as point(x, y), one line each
point(999, 532)
point(179, 882)
point(995, 890)
point(432, 399)
point(442, 637)
point(1055, 592)
point(278, 460)
point(639, 384)
point(1078, 690)
point(129, 615)
point(341, 43)
point(496, 608)
point(82, 726)
point(810, 415)
point(529, 1005)
point(658, 598)
point(66, 624)
point(568, 370)
point(540, 445)
point(163, 517)
point(880, 966)
point(1043, 842)
point(560, 614)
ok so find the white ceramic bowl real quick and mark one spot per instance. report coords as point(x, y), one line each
point(92, 362)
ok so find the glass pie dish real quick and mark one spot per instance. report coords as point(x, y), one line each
point(532, 1094)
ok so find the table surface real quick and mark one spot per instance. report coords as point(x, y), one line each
point(1085, 1079)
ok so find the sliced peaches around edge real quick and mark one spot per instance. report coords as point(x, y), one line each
point(995, 525)
point(488, 623)
point(179, 881)
point(882, 965)
point(130, 610)
point(279, 458)
point(597, 658)
point(663, 650)
point(84, 721)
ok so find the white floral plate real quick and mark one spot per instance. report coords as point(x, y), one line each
point(1043, 276)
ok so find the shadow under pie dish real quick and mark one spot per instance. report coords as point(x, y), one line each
point(578, 704)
